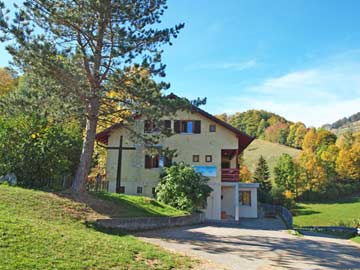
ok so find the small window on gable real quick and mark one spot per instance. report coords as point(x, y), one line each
point(208, 158)
point(245, 198)
point(212, 128)
point(196, 158)
point(152, 161)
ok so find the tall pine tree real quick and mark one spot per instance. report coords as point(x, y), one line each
point(262, 175)
point(92, 48)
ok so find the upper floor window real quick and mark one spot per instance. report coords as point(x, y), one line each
point(212, 128)
point(187, 126)
point(208, 158)
point(196, 158)
point(152, 161)
point(152, 126)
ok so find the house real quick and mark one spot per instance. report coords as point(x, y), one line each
point(205, 142)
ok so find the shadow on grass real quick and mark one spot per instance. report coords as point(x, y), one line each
point(114, 206)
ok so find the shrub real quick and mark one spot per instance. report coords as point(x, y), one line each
point(183, 188)
point(283, 197)
point(37, 150)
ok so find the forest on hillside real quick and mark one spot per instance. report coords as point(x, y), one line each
point(327, 166)
point(268, 126)
point(344, 121)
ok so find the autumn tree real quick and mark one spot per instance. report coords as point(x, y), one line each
point(348, 163)
point(7, 81)
point(310, 138)
point(245, 174)
point(89, 47)
point(299, 136)
point(312, 175)
point(222, 116)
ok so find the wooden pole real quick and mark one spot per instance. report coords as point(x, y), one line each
point(118, 175)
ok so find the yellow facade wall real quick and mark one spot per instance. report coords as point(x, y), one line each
point(133, 170)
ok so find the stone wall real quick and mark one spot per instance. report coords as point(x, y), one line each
point(148, 223)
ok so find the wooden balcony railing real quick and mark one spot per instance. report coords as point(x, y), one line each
point(230, 175)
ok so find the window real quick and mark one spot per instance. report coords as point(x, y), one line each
point(212, 128)
point(152, 126)
point(139, 190)
point(167, 161)
point(187, 127)
point(245, 198)
point(196, 158)
point(120, 189)
point(208, 158)
point(153, 191)
point(152, 161)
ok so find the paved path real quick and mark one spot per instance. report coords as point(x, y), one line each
point(250, 247)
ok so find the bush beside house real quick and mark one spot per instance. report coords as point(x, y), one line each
point(183, 188)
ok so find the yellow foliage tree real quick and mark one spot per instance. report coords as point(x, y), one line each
point(348, 163)
point(313, 175)
point(7, 82)
point(245, 174)
point(310, 138)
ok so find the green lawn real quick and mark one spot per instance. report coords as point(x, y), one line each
point(356, 239)
point(327, 214)
point(135, 206)
point(40, 230)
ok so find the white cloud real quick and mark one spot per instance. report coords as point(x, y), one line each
point(315, 96)
point(227, 65)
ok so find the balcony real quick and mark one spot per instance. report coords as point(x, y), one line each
point(230, 175)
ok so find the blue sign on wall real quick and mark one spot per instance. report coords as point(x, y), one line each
point(209, 171)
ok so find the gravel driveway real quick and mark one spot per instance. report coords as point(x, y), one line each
point(251, 245)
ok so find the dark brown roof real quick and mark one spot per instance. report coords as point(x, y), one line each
point(244, 139)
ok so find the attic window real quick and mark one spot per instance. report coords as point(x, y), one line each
point(212, 128)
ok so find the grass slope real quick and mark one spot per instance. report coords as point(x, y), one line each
point(270, 151)
point(327, 214)
point(40, 230)
point(138, 206)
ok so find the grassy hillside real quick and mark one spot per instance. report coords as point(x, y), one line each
point(40, 230)
point(327, 214)
point(270, 151)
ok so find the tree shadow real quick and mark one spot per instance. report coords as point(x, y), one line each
point(111, 207)
point(285, 251)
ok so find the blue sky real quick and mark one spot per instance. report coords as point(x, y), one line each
point(298, 58)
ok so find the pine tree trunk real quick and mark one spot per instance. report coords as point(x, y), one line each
point(82, 172)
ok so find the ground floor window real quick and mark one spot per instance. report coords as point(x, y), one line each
point(120, 189)
point(152, 161)
point(139, 190)
point(245, 198)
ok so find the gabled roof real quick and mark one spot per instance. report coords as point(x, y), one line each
point(244, 139)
